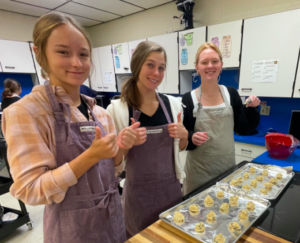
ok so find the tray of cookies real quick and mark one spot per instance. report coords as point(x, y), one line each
point(268, 181)
point(220, 214)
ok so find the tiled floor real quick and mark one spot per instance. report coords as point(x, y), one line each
point(23, 234)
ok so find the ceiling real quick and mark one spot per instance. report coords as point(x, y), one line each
point(87, 12)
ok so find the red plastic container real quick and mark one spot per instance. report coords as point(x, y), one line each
point(280, 146)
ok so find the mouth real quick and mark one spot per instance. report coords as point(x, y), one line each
point(152, 80)
point(210, 72)
point(78, 73)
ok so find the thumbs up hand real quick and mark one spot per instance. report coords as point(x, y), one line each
point(141, 134)
point(128, 136)
point(177, 130)
point(104, 147)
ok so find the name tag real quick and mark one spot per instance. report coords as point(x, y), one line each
point(88, 129)
point(154, 131)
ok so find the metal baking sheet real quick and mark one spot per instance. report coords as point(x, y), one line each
point(223, 220)
point(287, 175)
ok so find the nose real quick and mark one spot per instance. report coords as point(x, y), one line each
point(156, 71)
point(210, 64)
point(76, 62)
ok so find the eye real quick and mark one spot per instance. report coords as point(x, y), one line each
point(63, 52)
point(150, 65)
point(161, 68)
point(84, 55)
point(204, 63)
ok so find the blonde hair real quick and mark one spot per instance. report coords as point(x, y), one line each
point(44, 74)
point(208, 46)
point(43, 29)
point(130, 93)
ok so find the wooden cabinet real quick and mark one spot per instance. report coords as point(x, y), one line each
point(121, 58)
point(96, 76)
point(227, 37)
point(15, 57)
point(189, 42)
point(170, 83)
point(271, 38)
point(248, 152)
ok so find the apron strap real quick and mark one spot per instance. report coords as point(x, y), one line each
point(57, 107)
point(224, 96)
point(90, 109)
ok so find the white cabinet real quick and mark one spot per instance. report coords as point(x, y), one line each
point(132, 45)
point(272, 37)
point(121, 58)
point(189, 42)
point(248, 152)
point(170, 82)
point(15, 57)
point(37, 66)
point(227, 37)
point(297, 84)
point(107, 69)
point(95, 76)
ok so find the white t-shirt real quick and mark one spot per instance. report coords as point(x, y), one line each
point(195, 100)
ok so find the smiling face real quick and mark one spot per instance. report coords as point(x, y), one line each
point(68, 56)
point(152, 71)
point(209, 65)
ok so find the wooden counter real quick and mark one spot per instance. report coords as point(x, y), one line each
point(162, 232)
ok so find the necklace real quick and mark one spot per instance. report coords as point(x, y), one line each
point(210, 97)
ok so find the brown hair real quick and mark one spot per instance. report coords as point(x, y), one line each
point(130, 93)
point(11, 86)
point(42, 30)
point(208, 46)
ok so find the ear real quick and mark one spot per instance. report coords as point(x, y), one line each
point(35, 49)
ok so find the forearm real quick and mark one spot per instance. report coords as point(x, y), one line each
point(122, 154)
point(183, 143)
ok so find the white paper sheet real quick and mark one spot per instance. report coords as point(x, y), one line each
point(265, 71)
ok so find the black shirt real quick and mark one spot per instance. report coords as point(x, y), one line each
point(8, 101)
point(245, 119)
point(83, 108)
point(158, 118)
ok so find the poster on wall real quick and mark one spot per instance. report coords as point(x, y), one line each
point(215, 40)
point(226, 46)
point(119, 49)
point(265, 71)
point(189, 38)
point(184, 56)
point(108, 79)
point(182, 40)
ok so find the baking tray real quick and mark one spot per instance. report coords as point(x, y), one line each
point(223, 220)
point(287, 175)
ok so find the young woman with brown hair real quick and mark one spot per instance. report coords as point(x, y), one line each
point(11, 93)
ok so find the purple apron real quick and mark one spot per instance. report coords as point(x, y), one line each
point(91, 211)
point(151, 186)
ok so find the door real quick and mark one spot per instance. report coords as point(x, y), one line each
point(121, 58)
point(95, 76)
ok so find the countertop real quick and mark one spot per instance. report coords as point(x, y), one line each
point(255, 140)
point(161, 232)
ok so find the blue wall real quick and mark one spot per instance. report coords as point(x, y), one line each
point(24, 79)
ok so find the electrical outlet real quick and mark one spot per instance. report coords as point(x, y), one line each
point(265, 110)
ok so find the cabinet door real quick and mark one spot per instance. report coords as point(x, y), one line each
point(107, 69)
point(170, 82)
point(15, 57)
point(189, 42)
point(96, 77)
point(37, 66)
point(239, 159)
point(132, 45)
point(228, 38)
point(271, 38)
point(297, 84)
point(121, 58)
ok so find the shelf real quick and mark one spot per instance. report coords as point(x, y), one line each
point(7, 228)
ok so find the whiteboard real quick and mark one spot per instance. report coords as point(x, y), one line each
point(275, 36)
point(232, 29)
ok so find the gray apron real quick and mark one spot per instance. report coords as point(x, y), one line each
point(91, 211)
point(151, 186)
point(215, 156)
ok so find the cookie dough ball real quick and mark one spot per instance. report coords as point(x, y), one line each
point(253, 183)
point(234, 200)
point(220, 194)
point(239, 180)
point(246, 187)
point(250, 206)
point(252, 170)
point(246, 176)
point(260, 178)
point(273, 181)
point(263, 191)
point(208, 201)
point(219, 238)
point(224, 208)
point(265, 173)
point(234, 227)
point(200, 228)
point(268, 185)
point(279, 176)
point(178, 218)
point(243, 214)
point(233, 182)
point(194, 209)
point(211, 217)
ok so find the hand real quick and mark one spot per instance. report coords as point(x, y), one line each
point(104, 147)
point(141, 134)
point(127, 136)
point(255, 101)
point(177, 130)
point(199, 138)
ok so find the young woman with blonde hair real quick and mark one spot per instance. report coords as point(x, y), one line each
point(212, 113)
point(153, 168)
point(62, 148)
